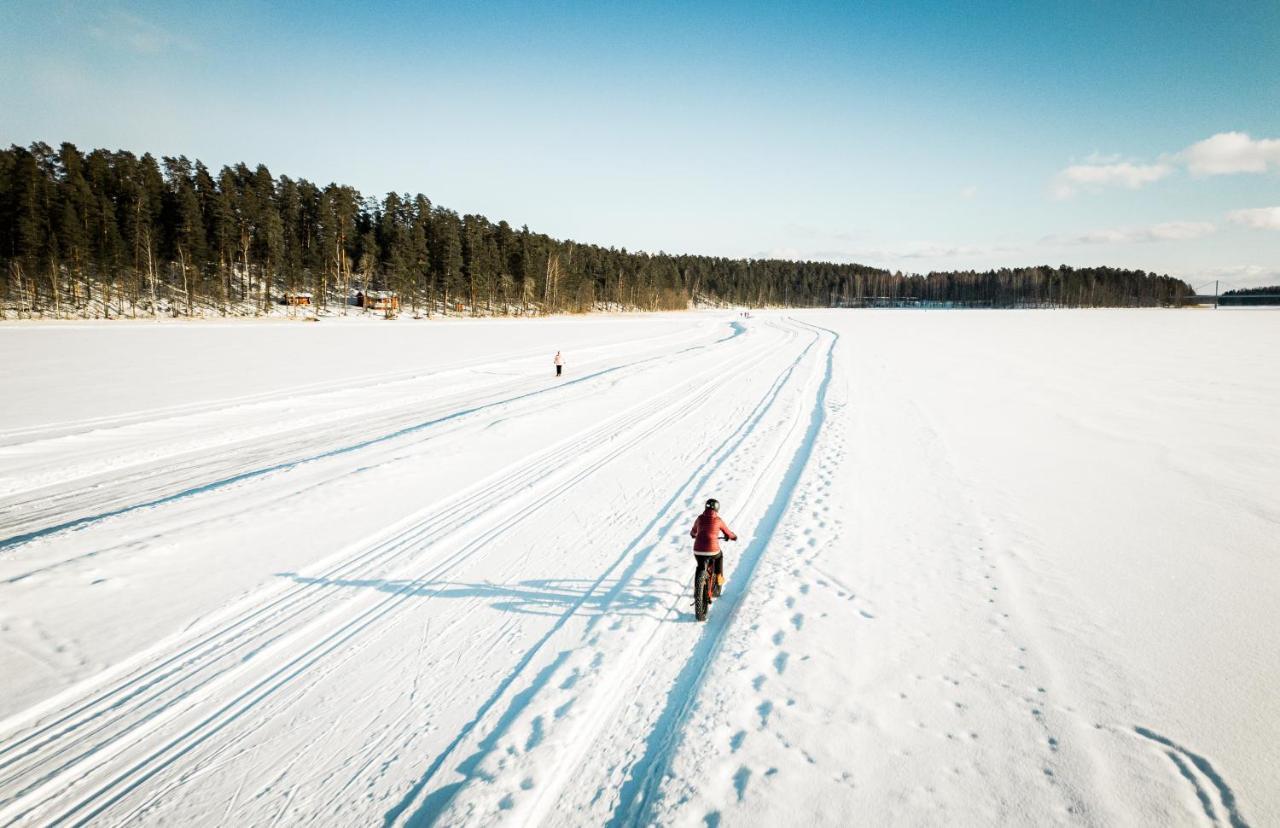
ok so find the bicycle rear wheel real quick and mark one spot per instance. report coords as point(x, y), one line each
point(701, 593)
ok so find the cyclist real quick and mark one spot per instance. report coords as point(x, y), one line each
point(706, 533)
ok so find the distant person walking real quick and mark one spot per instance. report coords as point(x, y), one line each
point(559, 363)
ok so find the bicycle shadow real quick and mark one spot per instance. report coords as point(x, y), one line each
point(538, 596)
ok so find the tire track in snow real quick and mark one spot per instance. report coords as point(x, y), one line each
point(420, 805)
point(428, 526)
point(225, 480)
point(1184, 760)
point(638, 796)
point(441, 520)
point(180, 665)
point(47, 431)
point(228, 438)
point(609, 698)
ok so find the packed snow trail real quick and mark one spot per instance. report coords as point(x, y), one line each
point(456, 590)
point(153, 698)
point(607, 709)
point(269, 621)
point(250, 447)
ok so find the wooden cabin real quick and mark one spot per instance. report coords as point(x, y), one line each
point(383, 300)
point(297, 299)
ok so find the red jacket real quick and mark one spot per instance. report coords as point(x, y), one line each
point(706, 532)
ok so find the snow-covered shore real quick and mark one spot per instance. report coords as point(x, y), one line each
point(1007, 567)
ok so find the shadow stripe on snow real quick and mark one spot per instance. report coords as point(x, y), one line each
point(175, 467)
point(415, 809)
point(246, 701)
point(442, 518)
point(430, 526)
point(638, 795)
point(75, 523)
point(662, 408)
point(66, 428)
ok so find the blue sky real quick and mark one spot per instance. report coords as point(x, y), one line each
point(913, 136)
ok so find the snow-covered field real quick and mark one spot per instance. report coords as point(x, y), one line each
point(995, 568)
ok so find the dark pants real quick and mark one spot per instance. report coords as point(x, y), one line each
point(558, 369)
point(717, 563)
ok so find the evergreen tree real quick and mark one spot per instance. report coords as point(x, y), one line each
point(186, 223)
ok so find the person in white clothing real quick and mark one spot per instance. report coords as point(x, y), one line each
point(559, 362)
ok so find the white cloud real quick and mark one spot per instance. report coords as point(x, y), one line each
point(969, 192)
point(1262, 218)
point(1231, 152)
point(1092, 176)
point(1221, 154)
point(1167, 231)
point(1178, 231)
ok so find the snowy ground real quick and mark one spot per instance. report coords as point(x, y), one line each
point(995, 568)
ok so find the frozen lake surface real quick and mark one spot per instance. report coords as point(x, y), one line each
point(995, 567)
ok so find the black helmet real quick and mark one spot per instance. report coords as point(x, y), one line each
point(713, 504)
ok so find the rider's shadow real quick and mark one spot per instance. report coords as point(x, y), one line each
point(543, 596)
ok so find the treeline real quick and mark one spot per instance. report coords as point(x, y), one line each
point(106, 234)
point(1022, 287)
point(1269, 295)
